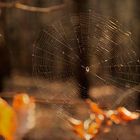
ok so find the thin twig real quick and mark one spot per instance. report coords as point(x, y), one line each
point(46, 101)
point(25, 7)
point(126, 94)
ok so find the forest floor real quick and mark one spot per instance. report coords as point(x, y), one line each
point(50, 113)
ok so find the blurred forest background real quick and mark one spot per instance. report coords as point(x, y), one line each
point(19, 27)
point(20, 24)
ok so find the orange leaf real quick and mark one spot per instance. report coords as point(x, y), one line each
point(78, 127)
point(22, 102)
point(99, 119)
point(112, 115)
point(94, 107)
point(24, 106)
point(8, 122)
point(126, 115)
point(93, 129)
point(115, 119)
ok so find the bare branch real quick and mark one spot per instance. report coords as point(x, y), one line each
point(24, 7)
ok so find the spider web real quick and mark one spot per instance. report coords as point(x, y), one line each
point(91, 45)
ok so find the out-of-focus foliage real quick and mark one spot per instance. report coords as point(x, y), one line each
point(8, 120)
point(101, 120)
point(24, 106)
point(18, 119)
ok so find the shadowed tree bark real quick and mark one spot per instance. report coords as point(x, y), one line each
point(5, 67)
point(82, 77)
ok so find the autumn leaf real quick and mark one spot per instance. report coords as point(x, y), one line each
point(94, 107)
point(100, 120)
point(8, 121)
point(77, 126)
point(24, 106)
point(126, 115)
